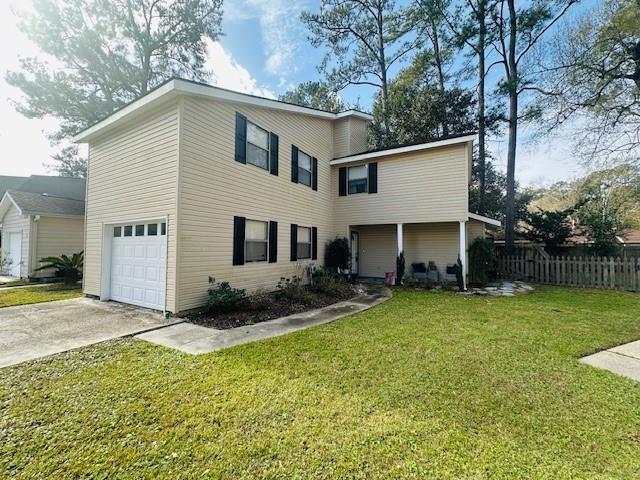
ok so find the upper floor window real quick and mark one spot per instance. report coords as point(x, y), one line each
point(304, 168)
point(358, 179)
point(257, 146)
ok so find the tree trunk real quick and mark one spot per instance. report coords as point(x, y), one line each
point(439, 73)
point(481, 107)
point(382, 62)
point(512, 85)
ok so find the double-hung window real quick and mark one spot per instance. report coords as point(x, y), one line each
point(257, 146)
point(304, 243)
point(304, 168)
point(256, 241)
point(358, 179)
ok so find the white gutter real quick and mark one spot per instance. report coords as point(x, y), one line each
point(177, 86)
point(399, 150)
point(483, 219)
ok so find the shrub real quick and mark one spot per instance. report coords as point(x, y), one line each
point(424, 283)
point(65, 266)
point(259, 300)
point(325, 281)
point(337, 254)
point(292, 289)
point(224, 298)
point(482, 263)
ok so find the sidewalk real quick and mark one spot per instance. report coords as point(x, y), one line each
point(196, 339)
point(623, 360)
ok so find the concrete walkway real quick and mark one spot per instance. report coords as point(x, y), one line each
point(28, 332)
point(623, 360)
point(196, 339)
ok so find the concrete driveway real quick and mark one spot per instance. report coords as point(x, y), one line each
point(33, 331)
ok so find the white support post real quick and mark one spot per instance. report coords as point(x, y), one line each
point(463, 251)
point(400, 238)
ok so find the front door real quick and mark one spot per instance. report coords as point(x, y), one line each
point(13, 254)
point(355, 249)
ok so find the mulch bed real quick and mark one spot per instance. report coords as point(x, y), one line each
point(269, 308)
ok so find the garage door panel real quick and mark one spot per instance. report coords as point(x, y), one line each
point(138, 267)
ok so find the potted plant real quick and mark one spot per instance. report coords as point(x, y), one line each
point(68, 267)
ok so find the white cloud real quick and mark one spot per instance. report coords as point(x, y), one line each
point(227, 73)
point(281, 30)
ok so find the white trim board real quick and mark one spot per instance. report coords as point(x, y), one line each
point(483, 219)
point(399, 150)
point(176, 86)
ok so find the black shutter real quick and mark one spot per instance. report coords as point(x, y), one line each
point(238, 240)
point(314, 173)
point(294, 242)
point(342, 181)
point(373, 177)
point(314, 243)
point(241, 138)
point(294, 164)
point(273, 160)
point(273, 242)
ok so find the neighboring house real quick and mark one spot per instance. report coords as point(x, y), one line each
point(192, 180)
point(40, 216)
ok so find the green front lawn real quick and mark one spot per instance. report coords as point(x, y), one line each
point(424, 385)
point(23, 296)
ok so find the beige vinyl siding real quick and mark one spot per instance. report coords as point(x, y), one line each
point(427, 186)
point(14, 222)
point(378, 250)
point(57, 236)
point(475, 229)
point(133, 176)
point(358, 141)
point(349, 136)
point(436, 242)
point(214, 188)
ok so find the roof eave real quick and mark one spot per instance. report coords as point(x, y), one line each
point(400, 150)
point(483, 219)
point(176, 86)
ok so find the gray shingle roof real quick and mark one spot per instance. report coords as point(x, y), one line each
point(42, 204)
point(10, 183)
point(65, 187)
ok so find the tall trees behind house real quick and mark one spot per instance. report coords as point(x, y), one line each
point(516, 33)
point(107, 54)
point(592, 75)
point(365, 39)
point(314, 95)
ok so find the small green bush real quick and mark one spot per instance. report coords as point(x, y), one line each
point(292, 289)
point(223, 297)
point(423, 283)
point(325, 281)
point(259, 300)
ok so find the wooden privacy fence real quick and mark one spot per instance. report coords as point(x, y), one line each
point(589, 272)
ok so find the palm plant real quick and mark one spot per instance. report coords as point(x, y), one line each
point(68, 267)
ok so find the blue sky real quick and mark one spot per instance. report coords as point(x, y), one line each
point(264, 51)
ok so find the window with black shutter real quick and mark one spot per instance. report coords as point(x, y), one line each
point(255, 145)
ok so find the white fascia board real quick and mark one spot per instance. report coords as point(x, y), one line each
point(399, 150)
point(177, 86)
point(125, 112)
point(483, 219)
point(6, 202)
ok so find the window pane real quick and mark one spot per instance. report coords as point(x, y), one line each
point(255, 251)
point(255, 230)
point(152, 229)
point(128, 230)
point(117, 231)
point(139, 230)
point(358, 186)
point(257, 136)
point(304, 176)
point(304, 250)
point(304, 235)
point(358, 172)
point(304, 161)
point(257, 156)
point(163, 228)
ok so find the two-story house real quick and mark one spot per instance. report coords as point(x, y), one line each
point(193, 180)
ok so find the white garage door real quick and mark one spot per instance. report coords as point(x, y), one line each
point(138, 264)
